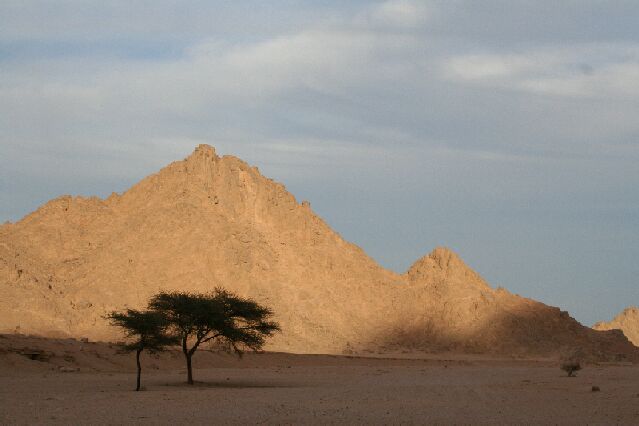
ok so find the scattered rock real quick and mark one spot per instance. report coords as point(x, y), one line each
point(65, 369)
point(36, 355)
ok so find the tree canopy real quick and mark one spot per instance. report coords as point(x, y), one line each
point(217, 316)
point(149, 330)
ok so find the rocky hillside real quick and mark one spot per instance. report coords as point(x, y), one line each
point(212, 221)
point(627, 321)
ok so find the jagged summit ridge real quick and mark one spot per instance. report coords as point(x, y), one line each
point(203, 150)
point(209, 221)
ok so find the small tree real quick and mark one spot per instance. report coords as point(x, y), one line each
point(220, 315)
point(570, 366)
point(149, 329)
point(571, 360)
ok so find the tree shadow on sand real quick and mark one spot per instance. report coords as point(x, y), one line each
point(235, 384)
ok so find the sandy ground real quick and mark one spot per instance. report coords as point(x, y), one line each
point(304, 389)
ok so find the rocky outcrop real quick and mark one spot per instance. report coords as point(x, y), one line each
point(627, 321)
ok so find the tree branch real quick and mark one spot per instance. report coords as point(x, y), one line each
point(211, 337)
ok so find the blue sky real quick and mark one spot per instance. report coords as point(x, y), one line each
point(506, 130)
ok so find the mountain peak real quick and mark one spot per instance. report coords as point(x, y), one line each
point(201, 159)
point(632, 310)
point(445, 257)
point(444, 265)
point(203, 150)
point(441, 258)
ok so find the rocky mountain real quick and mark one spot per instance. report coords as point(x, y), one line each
point(212, 221)
point(627, 321)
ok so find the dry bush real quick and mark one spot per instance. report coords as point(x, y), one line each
point(571, 361)
point(570, 366)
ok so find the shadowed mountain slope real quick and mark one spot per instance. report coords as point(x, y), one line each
point(212, 221)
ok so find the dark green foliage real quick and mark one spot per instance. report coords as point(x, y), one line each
point(149, 330)
point(220, 315)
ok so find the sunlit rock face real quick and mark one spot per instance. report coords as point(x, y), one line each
point(209, 221)
point(627, 321)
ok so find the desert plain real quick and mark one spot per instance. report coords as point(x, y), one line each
point(91, 383)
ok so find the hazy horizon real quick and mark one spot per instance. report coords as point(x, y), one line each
point(506, 131)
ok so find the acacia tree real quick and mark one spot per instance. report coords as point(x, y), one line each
point(220, 315)
point(149, 328)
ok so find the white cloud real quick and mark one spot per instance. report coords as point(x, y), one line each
point(588, 71)
point(488, 67)
point(398, 14)
point(620, 81)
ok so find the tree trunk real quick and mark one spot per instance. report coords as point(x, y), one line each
point(137, 359)
point(189, 370)
point(187, 354)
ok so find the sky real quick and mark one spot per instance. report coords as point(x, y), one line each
point(505, 130)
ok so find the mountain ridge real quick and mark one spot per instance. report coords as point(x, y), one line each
point(210, 221)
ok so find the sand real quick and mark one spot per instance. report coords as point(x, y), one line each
point(276, 388)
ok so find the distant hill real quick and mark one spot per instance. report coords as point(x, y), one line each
point(212, 221)
point(627, 321)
